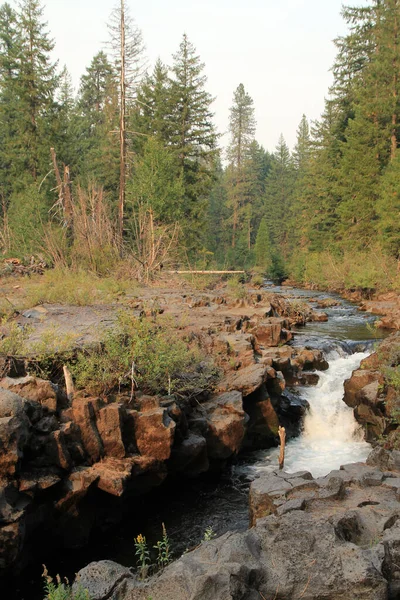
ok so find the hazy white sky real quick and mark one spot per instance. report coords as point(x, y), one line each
point(281, 50)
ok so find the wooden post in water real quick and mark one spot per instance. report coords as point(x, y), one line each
point(282, 437)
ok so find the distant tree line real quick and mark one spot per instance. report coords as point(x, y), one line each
point(136, 153)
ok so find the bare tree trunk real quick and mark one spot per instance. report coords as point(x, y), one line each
point(64, 194)
point(122, 130)
point(394, 93)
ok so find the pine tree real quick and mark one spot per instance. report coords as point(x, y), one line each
point(96, 123)
point(262, 248)
point(192, 137)
point(388, 208)
point(9, 113)
point(37, 84)
point(242, 128)
point(152, 116)
point(279, 190)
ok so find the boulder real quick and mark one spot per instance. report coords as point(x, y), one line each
point(110, 424)
point(226, 424)
point(84, 412)
point(33, 388)
point(154, 432)
point(245, 380)
point(318, 316)
point(14, 432)
point(238, 347)
point(336, 538)
point(353, 387)
point(190, 456)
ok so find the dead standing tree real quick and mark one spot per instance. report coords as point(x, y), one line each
point(127, 49)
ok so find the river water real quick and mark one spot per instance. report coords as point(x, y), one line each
point(331, 437)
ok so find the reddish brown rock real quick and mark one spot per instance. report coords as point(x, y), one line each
point(59, 451)
point(113, 475)
point(246, 380)
point(84, 415)
point(14, 431)
point(271, 332)
point(264, 423)
point(33, 388)
point(237, 347)
point(226, 424)
point(318, 316)
point(154, 433)
point(109, 424)
point(359, 379)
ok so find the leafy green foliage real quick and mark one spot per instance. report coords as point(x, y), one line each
point(56, 589)
point(143, 555)
point(164, 556)
point(142, 352)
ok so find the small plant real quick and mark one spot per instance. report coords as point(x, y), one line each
point(14, 341)
point(208, 534)
point(237, 288)
point(143, 554)
point(164, 553)
point(55, 589)
point(257, 280)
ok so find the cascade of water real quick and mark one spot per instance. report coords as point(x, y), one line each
point(331, 435)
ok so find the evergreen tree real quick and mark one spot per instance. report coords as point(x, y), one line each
point(152, 116)
point(279, 190)
point(9, 113)
point(242, 128)
point(388, 208)
point(262, 248)
point(37, 84)
point(97, 121)
point(192, 137)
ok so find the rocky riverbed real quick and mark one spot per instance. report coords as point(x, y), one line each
point(60, 458)
point(335, 537)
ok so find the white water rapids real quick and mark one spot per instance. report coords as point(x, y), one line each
point(331, 435)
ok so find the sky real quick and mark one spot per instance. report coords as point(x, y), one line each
point(281, 50)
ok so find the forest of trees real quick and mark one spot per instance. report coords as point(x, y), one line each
point(131, 165)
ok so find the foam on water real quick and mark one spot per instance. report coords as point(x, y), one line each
point(331, 435)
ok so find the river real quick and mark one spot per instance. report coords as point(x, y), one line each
point(331, 437)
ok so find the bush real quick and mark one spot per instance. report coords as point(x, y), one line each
point(144, 353)
point(61, 590)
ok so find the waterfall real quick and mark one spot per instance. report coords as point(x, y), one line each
point(331, 435)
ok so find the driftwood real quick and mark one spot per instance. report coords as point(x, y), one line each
point(69, 384)
point(203, 272)
point(282, 437)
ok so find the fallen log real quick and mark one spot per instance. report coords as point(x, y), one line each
point(204, 272)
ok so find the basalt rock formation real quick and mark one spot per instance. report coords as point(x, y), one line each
point(335, 537)
point(373, 391)
point(60, 458)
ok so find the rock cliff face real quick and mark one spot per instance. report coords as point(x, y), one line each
point(373, 393)
point(336, 537)
point(58, 457)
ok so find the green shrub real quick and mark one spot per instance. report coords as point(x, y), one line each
point(146, 353)
point(55, 589)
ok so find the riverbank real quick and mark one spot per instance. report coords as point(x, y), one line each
point(244, 331)
point(63, 457)
point(335, 537)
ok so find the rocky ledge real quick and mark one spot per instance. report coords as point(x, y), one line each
point(373, 391)
point(60, 459)
point(335, 537)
